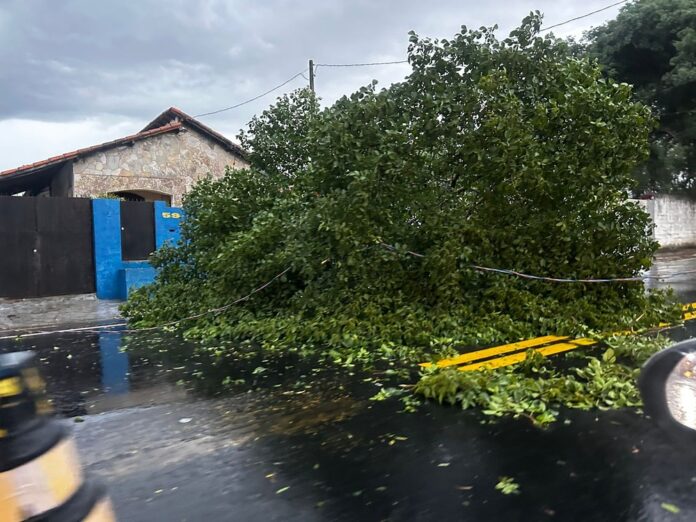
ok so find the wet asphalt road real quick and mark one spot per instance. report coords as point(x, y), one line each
point(324, 451)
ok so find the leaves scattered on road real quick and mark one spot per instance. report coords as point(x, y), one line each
point(670, 507)
point(508, 486)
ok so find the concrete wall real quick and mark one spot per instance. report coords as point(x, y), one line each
point(674, 218)
point(167, 221)
point(167, 163)
point(62, 182)
point(114, 276)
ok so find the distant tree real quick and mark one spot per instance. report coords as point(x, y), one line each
point(652, 45)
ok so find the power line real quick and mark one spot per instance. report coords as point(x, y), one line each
point(359, 64)
point(269, 91)
point(159, 326)
point(370, 64)
point(301, 73)
point(515, 273)
point(217, 310)
point(583, 16)
point(388, 247)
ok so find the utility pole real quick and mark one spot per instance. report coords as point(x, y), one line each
point(311, 75)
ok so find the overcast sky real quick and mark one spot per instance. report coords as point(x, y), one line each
point(74, 73)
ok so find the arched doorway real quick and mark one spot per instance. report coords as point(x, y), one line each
point(142, 195)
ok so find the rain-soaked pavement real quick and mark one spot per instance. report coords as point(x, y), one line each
point(309, 446)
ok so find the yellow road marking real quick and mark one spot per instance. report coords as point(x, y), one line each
point(689, 314)
point(519, 357)
point(496, 350)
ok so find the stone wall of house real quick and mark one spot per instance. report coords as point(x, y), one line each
point(674, 218)
point(166, 163)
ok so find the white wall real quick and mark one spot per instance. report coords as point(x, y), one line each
point(674, 218)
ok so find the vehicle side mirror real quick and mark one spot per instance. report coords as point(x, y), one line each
point(667, 383)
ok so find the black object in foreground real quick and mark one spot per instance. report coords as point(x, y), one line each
point(667, 384)
point(40, 475)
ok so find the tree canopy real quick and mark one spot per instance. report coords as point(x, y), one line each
point(277, 139)
point(367, 217)
point(652, 45)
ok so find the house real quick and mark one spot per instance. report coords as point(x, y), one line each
point(159, 163)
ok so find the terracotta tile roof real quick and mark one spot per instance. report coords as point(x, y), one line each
point(169, 127)
point(170, 120)
point(174, 113)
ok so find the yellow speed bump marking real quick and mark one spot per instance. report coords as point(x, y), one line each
point(519, 357)
point(689, 314)
point(496, 350)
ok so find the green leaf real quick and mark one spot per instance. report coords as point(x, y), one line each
point(670, 507)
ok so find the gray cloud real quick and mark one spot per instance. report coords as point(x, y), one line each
point(128, 60)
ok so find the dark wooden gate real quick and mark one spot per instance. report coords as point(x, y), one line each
point(45, 247)
point(137, 230)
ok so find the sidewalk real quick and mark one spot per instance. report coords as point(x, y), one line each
point(22, 314)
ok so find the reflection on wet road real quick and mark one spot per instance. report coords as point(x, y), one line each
point(88, 373)
point(680, 268)
point(311, 446)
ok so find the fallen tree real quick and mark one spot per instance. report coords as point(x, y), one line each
point(356, 231)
